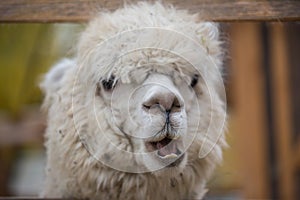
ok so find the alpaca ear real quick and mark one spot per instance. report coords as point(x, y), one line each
point(53, 80)
point(207, 34)
point(208, 31)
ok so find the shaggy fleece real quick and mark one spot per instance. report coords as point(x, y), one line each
point(89, 152)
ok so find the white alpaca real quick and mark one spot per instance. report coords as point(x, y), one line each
point(139, 113)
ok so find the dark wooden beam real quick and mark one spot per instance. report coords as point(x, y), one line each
point(249, 110)
point(82, 10)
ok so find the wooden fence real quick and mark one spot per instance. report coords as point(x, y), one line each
point(81, 10)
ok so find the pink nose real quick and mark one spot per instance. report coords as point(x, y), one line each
point(166, 100)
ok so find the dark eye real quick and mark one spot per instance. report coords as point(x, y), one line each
point(109, 84)
point(194, 80)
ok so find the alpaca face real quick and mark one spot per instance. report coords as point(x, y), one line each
point(151, 99)
point(148, 104)
point(159, 115)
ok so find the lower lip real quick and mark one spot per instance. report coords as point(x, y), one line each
point(177, 162)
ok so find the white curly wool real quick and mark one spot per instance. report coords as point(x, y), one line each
point(93, 143)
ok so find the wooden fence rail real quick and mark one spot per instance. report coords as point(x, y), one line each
point(82, 10)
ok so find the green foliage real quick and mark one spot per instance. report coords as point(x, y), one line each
point(26, 51)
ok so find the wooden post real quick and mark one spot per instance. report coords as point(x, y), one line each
point(282, 110)
point(249, 108)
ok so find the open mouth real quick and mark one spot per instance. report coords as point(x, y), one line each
point(166, 148)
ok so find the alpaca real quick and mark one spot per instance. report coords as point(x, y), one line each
point(140, 111)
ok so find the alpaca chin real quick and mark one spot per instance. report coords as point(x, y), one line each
point(172, 170)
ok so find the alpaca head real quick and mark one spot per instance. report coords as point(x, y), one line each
point(146, 90)
point(147, 101)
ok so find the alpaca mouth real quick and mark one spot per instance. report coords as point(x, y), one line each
point(166, 148)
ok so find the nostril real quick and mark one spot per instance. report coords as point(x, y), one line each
point(176, 106)
point(177, 103)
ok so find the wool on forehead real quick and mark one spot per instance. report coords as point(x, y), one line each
point(147, 37)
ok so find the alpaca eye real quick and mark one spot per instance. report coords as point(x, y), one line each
point(109, 84)
point(194, 80)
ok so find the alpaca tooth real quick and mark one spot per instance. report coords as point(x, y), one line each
point(169, 156)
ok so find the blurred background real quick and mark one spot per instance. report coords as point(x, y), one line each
point(261, 75)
